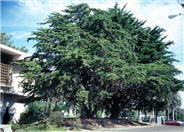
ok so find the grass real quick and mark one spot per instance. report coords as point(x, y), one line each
point(42, 128)
point(38, 130)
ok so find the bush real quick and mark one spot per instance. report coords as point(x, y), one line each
point(60, 107)
point(15, 126)
point(76, 124)
point(34, 112)
point(56, 118)
point(129, 114)
point(180, 114)
point(146, 119)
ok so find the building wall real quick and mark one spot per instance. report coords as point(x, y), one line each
point(1, 108)
point(18, 109)
point(10, 95)
point(8, 101)
point(16, 80)
point(14, 107)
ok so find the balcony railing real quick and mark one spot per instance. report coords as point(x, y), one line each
point(5, 76)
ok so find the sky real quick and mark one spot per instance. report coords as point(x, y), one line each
point(21, 17)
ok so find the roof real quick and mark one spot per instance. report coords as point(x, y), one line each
point(17, 55)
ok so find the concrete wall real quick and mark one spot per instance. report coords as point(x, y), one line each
point(16, 80)
point(15, 109)
point(18, 109)
point(1, 108)
point(5, 128)
point(10, 95)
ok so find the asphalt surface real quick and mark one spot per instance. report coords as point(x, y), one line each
point(147, 129)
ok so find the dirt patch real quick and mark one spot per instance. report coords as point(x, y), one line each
point(92, 124)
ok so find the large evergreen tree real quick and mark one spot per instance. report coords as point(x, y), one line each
point(94, 58)
point(153, 56)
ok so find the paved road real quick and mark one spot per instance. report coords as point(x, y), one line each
point(148, 129)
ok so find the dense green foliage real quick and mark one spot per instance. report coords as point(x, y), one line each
point(94, 58)
point(6, 40)
point(34, 112)
point(180, 115)
point(42, 127)
point(39, 110)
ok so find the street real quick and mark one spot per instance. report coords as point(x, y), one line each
point(147, 129)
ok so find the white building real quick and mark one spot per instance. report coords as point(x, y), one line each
point(11, 93)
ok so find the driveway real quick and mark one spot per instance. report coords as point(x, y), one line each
point(147, 129)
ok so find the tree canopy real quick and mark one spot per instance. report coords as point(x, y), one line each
point(98, 59)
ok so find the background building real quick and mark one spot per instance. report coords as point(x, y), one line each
point(11, 93)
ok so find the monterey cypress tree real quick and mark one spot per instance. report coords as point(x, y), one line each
point(95, 58)
point(78, 57)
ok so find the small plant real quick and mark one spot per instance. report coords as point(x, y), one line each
point(15, 126)
point(37, 127)
point(51, 127)
point(34, 112)
point(146, 119)
point(76, 124)
point(56, 118)
point(55, 128)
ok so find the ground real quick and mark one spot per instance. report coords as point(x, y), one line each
point(93, 124)
point(115, 125)
point(146, 129)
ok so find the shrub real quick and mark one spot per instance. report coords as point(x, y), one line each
point(60, 107)
point(76, 124)
point(56, 118)
point(34, 112)
point(146, 119)
point(180, 115)
point(15, 126)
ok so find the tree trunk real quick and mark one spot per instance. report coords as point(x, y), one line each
point(168, 114)
point(115, 115)
point(153, 113)
point(156, 115)
point(173, 114)
point(87, 113)
point(138, 116)
point(114, 108)
point(176, 114)
point(84, 112)
point(72, 110)
point(115, 112)
point(103, 113)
